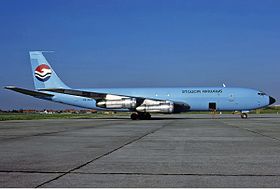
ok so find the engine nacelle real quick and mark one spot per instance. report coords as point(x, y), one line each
point(157, 106)
point(162, 107)
point(165, 108)
point(125, 103)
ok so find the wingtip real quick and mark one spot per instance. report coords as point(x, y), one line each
point(9, 87)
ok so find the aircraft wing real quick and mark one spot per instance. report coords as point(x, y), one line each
point(140, 101)
point(88, 94)
point(29, 92)
point(74, 92)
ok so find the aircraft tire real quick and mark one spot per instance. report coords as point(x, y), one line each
point(148, 116)
point(144, 116)
point(134, 116)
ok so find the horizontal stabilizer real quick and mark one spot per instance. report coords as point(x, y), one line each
point(29, 92)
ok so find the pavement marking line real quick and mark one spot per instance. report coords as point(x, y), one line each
point(105, 154)
point(179, 174)
point(148, 174)
point(252, 131)
point(46, 172)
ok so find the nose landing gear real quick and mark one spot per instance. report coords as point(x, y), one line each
point(141, 116)
point(244, 115)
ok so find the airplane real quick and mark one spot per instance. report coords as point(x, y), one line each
point(141, 102)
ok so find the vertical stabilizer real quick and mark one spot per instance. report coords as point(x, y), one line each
point(43, 75)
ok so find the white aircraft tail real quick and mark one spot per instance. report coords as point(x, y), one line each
point(43, 75)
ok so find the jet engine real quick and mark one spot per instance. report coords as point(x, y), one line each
point(127, 103)
point(162, 107)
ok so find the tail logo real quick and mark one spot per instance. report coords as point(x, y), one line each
point(43, 72)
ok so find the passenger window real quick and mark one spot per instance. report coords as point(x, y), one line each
point(261, 93)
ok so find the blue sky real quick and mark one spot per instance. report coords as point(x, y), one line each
point(130, 43)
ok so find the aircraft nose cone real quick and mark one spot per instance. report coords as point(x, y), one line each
point(271, 100)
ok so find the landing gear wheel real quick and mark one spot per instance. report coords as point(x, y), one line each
point(144, 116)
point(141, 116)
point(148, 116)
point(244, 115)
point(134, 116)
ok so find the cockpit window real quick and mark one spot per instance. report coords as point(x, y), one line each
point(261, 93)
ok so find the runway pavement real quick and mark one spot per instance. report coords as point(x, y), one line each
point(168, 151)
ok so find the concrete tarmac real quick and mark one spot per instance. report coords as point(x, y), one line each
point(169, 151)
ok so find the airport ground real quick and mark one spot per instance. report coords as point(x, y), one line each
point(4, 116)
point(186, 150)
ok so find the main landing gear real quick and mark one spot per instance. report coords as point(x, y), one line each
point(141, 116)
point(244, 115)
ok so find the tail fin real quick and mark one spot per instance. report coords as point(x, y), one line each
point(43, 74)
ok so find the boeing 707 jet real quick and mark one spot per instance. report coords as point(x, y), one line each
point(141, 101)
